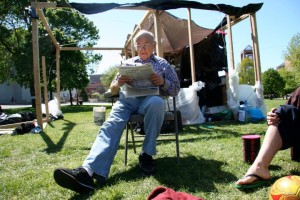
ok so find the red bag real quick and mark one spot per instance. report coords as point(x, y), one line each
point(163, 193)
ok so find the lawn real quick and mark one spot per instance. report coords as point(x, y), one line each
point(211, 161)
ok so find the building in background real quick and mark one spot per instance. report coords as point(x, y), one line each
point(247, 53)
point(95, 85)
point(12, 93)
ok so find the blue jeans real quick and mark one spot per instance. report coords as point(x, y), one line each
point(107, 141)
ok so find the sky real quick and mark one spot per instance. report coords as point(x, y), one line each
point(277, 23)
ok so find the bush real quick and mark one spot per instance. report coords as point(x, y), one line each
point(95, 95)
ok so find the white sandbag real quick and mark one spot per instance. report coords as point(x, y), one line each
point(253, 96)
point(247, 93)
point(232, 93)
point(187, 104)
point(53, 108)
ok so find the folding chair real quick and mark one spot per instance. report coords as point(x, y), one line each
point(137, 118)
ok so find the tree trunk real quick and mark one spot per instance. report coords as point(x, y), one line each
point(71, 98)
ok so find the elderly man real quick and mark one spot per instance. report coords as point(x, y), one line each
point(98, 162)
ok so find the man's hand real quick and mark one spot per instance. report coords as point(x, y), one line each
point(115, 85)
point(272, 117)
point(157, 80)
point(122, 80)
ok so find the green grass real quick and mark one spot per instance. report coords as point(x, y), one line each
point(211, 161)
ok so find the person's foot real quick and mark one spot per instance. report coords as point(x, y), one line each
point(77, 179)
point(259, 172)
point(146, 163)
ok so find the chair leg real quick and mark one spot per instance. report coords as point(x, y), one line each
point(126, 145)
point(132, 138)
point(176, 130)
point(177, 145)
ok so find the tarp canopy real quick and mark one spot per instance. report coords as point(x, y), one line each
point(93, 8)
point(169, 25)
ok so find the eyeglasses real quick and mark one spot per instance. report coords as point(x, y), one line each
point(144, 46)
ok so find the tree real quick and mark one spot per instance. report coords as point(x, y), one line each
point(292, 55)
point(14, 29)
point(109, 76)
point(246, 72)
point(69, 27)
point(289, 79)
point(273, 83)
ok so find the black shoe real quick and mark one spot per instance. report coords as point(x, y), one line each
point(146, 162)
point(77, 180)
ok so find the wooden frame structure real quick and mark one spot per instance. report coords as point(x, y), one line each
point(38, 6)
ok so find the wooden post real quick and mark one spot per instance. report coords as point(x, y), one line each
point(257, 67)
point(132, 48)
point(58, 75)
point(45, 87)
point(157, 29)
point(191, 47)
point(230, 42)
point(36, 71)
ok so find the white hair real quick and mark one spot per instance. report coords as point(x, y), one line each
point(144, 34)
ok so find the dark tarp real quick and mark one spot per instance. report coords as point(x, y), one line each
point(210, 58)
point(93, 8)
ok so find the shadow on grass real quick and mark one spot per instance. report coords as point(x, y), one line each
point(191, 173)
point(51, 146)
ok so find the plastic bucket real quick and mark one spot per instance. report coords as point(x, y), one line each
point(99, 115)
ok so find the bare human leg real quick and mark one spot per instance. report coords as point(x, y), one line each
point(260, 167)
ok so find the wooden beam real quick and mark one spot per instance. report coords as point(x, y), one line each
point(58, 75)
point(45, 87)
point(36, 70)
point(192, 60)
point(15, 125)
point(157, 29)
point(44, 21)
point(90, 48)
point(44, 5)
point(254, 35)
point(230, 43)
point(234, 21)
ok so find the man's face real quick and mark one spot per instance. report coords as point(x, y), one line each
point(144, 48)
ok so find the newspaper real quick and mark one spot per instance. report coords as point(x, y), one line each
point(141, 84)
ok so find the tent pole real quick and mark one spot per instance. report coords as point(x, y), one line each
point(45, 87)
point(157, 29)
point(58, 75)
point(132, 48)
point(254, 34)
point(230, 42)
point(191, 47)
point(36, 71)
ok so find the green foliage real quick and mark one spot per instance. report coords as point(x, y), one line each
point(14, 30)
point(109, 76)
point(246, 72)
point(95, 95)
point(211, 160)
point(290, 80)
point(273, 83)
point(293, 56)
